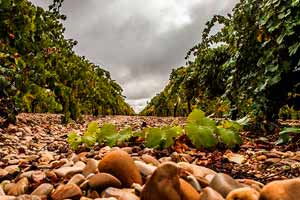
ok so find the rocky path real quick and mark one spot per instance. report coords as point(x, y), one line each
point(37, 163)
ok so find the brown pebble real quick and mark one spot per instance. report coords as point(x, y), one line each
point(66, 191)
point(245, 193)
point(119, 164)
point(187, 191)
point(104, 180)
point(281, 190)
point(163, 184)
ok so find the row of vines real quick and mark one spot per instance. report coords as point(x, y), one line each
point(251, 66)
point(40, 72)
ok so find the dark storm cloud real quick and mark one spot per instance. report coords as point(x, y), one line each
point(138, 41)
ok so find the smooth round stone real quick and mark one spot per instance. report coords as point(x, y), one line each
point(12, 169)
point(283, 190)
point(251, 183)
point(150, 159)
point(93, 194)
point(21, 187)
point(85, 198)
point(187, 191)
point(103, 180)
point(165, 159)
point(66, 191)
point(46, 157)
point(13, 162)
point(2, 193)
point(91, 167)
point(194, 182)
point(119, 164)
point(197, 171)
point(127, 149)
point(28, 197)
point(224, 184)
point(7, 185)
point(77, 179)
point(27, 174)
point(144, 168)
point(163, 184)
point(7, 197)
point(120, 194)
point(210, 194)
point(43, 190)
point(69, 171)
point(246, 193)
point(38, 176)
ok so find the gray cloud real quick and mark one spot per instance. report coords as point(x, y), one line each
point(139, 42)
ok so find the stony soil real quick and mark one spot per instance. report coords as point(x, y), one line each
point(37, 163)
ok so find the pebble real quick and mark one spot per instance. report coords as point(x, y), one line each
point(150, 159)
point(12, 169)
point(281, 190)
point(21, 187)
point(272, 160)
point(245, 193)
point(7, 197)
point(261, 158)
point(163, 184)
point(103, 180)
point(120, 194)
point(43, 190)
point(197, 171)
point(2, 193)
point(210, 194)
point(69, 171)
point(28, 197)
point(144, 168)
point(77, 179)
point(187, 191)
point(91, 167)
point(66, 192)
point(119, 164)
point(224, 184)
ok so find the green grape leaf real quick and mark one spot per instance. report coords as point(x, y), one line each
point(170, 133)
point(207, 122)
point(201, 136)
point(229, 137)
point(195, 116)
point(107, 130)
point(111, 140)
point(154, 136)
point(124, 135)
point(93, 127)
point(74, 140)
point(89, 140)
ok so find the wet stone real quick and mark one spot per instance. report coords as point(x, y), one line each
point(66, 191)
point(43, 190)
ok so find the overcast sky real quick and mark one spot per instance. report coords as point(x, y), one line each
point(138, 41)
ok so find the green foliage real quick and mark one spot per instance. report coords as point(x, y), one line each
point(107, 134)
point(74, 140)
point(201, 136)
point(285, 136)
point(162, 137)
point(251, 66)
point(40, 72)
point(202, 131)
